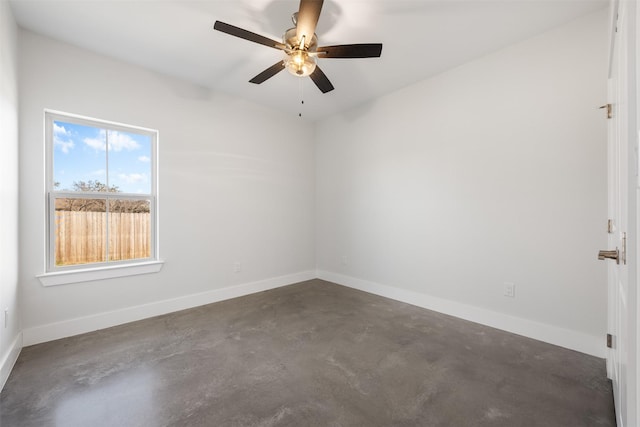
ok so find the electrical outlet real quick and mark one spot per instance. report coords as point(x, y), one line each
point(509, 290)
point(237, 267)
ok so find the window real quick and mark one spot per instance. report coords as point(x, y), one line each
point(102, 195)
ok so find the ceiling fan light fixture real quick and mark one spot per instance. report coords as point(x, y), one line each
point(300, 46)
point(300, 63)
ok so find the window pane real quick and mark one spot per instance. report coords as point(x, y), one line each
point(100, 178)
point(130, 162)
point(129, 229)
point(79, 157)
point(80, 231)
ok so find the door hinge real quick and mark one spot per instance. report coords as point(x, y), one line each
point(609, 108)
point(610, 226)
point(609, 341)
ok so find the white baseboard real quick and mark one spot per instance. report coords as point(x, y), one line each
point(562, 337)
point(81, 325)
point(9, 359)
point(566, 338)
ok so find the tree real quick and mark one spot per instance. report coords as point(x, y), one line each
point(98, 204)
point(94, 186)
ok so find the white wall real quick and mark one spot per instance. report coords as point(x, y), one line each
point(10, 338)
point(492, 172)
point(236, 185)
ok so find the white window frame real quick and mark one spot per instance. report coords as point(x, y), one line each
point(57, 275)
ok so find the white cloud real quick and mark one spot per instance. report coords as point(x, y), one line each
point(117, 142)
point(97, 144)
point(64, 146)
point(59, 140)
point(99, 172)
point(60, 130)
point(144, 159)
point(132, 178)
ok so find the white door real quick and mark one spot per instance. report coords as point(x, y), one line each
point(621, 362)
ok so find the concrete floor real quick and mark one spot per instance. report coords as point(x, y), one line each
point(310, 354)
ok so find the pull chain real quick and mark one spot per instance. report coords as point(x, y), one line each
point(301, 90)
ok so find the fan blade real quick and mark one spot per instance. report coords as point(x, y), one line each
point(268, 73)
point(321, 80)
point(247, 35)
point(365, 50)
point(308, 14)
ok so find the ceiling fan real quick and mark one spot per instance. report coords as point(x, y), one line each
point(300, 44)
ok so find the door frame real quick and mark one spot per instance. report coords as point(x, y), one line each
point(631, 405)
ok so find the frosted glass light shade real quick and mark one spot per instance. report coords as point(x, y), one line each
point(300, 64)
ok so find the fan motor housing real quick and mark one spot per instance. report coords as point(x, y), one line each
point(291, 40)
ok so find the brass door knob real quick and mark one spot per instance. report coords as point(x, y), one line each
point(614, 254)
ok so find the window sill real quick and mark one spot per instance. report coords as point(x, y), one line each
point(90, 274)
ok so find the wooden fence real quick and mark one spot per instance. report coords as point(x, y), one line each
point(81, 237)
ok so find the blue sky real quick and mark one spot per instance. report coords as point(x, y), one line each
point(80, 154)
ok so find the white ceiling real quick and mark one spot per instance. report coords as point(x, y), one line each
point(421, 38)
